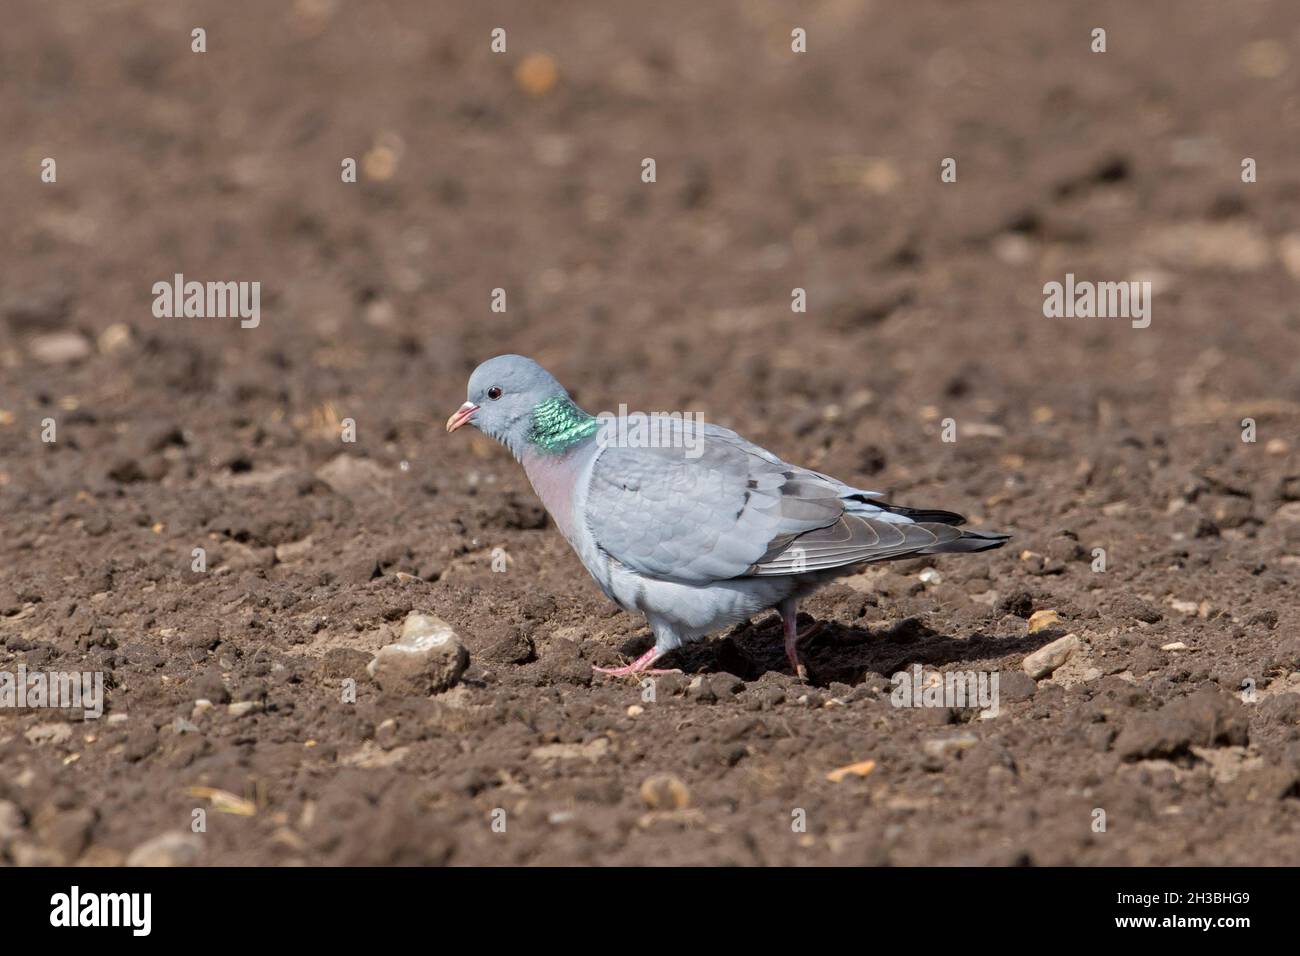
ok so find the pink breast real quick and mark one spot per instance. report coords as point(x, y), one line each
point(552, 477)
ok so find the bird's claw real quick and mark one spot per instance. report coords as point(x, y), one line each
point(637, 668)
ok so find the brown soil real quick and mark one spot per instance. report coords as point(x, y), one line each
point(775, 171)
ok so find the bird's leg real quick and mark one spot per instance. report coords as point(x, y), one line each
point(790, 621)
point(639, 666)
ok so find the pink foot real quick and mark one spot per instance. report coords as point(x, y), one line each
point(789, 621)
point(639, 666)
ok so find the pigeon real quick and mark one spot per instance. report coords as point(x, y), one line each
point(687, 522)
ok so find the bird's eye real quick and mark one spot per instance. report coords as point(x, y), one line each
point(494, 393)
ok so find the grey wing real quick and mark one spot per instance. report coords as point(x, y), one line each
point(855, 538)
point(704, 512)
point(862, 532)
point(728, 508)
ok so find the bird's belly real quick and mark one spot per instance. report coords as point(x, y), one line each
point(695, 610)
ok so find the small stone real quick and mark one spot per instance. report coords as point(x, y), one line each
point(1042, 662)
point(930, 576)
point(428, 658)
point(537, 74)
point(664, 791)
point(592, 750)
point(1174, 646)
point(862, 768)
point(1012, 248)
point(1187, 608)
point(1041, 620)
point(941, 747)
point(1234, 246)
point(635, 710)
point(811, 699)
point(114, 338)
point(201, 707)
point(241, 708)
point(53, 733)
point(168, 849)
point(59, 348)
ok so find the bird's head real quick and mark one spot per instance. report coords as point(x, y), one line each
point(514, 400)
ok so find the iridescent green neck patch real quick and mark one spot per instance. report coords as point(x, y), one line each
point(558, 424)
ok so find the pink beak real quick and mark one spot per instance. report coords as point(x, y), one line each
point(461, 416)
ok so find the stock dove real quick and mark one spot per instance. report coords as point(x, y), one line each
point(703, 530)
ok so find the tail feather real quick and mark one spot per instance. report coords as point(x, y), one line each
point(927, 515)
point(970, 541)
point(919, 515)
point(937, 522)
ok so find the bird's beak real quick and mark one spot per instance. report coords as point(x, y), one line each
point(461, 416)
